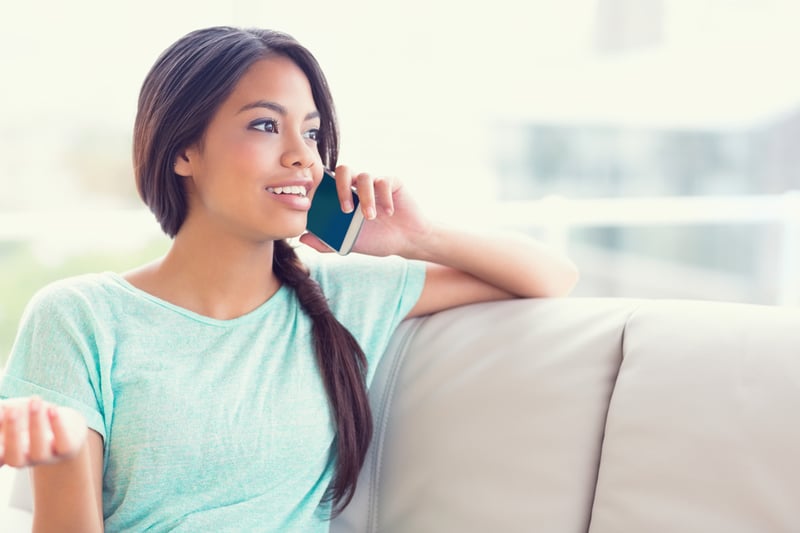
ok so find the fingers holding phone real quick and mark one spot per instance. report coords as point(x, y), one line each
point(342, 203)
point(384, 195)
point(365, 185)
point(335, 218)
point(374, 193)
point(344, 187)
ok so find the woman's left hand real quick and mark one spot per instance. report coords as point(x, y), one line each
point(393, 222)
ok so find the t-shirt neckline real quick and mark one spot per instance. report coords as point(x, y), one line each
point(255, 313)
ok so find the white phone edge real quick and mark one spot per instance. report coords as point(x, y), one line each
point(352, 232)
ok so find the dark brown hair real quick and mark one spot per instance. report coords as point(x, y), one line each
point(179, 96)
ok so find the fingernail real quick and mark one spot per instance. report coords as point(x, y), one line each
point(35, 405)
point(370, 213)
point(347, 206)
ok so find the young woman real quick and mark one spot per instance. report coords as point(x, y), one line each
point(224, 385)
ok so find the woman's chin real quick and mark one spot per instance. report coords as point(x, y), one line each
point(294, 231)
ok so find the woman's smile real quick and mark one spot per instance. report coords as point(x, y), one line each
point(294, 195)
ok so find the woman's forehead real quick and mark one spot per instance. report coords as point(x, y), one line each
point(274, 79)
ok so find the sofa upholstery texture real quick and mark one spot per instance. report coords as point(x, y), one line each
point(606, 415)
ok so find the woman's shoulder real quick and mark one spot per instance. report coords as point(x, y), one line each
point(365, 277)
point(82, 290)
point(328, 267)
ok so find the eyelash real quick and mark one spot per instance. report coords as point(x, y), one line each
point(256, 125)
point(312, 134)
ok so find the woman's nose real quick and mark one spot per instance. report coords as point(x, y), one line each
point(299, 154)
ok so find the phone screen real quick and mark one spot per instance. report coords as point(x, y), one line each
point(325, 218)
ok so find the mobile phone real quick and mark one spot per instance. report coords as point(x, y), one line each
point(337, 229)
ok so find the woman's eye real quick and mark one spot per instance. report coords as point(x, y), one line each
point(267, 126)
point(312, 135)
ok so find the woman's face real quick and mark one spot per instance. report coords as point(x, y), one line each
point(254, 169)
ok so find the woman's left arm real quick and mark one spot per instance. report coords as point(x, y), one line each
point(468, 267)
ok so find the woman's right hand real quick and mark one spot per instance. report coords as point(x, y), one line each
point(34, 432)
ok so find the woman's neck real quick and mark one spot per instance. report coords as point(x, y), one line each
point(216, 276)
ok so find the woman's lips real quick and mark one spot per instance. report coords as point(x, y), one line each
point(292, 196)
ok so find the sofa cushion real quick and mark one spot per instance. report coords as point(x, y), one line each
point(490, 418)
point(702, 430)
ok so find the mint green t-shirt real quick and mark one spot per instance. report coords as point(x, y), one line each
point(208, 425)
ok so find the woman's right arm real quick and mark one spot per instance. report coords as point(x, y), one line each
point(66, 461)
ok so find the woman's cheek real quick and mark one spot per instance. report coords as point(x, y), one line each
point(254, 155)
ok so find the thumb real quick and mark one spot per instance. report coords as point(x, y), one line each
point(312, 241)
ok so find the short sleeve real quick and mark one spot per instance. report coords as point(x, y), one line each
point(54, 355)
point(370, 296)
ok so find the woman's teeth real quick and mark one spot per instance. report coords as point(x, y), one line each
point(294, 189)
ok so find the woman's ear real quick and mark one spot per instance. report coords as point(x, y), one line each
point(182, 164)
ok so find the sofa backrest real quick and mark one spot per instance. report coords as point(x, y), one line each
point(491, 418)
point(574, 415)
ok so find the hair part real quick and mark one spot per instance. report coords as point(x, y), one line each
point(179, 96)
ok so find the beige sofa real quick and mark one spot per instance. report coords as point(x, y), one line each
point(605, 415)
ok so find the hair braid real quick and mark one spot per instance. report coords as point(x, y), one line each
point(343, 366)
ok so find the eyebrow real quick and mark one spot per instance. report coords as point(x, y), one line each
point(281, 110)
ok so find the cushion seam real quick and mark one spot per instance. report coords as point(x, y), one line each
point(621, 360)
